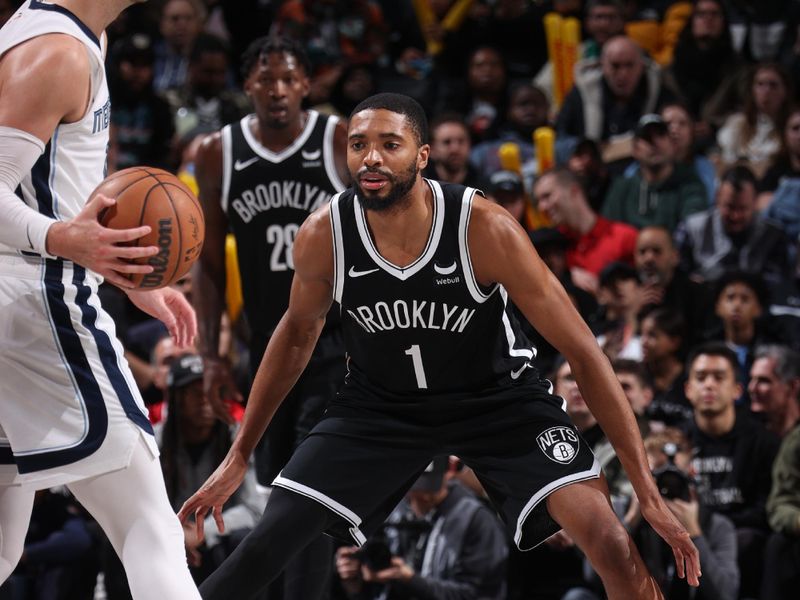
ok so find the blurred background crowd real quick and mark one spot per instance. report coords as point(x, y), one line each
point(651, 148)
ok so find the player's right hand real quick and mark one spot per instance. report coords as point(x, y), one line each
point(86, 242)
point(218, 384)
point(214, 493)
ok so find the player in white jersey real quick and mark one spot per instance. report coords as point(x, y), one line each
point(68, 402)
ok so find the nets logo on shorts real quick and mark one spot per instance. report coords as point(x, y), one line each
point(560, 444)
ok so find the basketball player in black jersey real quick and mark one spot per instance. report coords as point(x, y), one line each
point(423, 272)
point(261, 178)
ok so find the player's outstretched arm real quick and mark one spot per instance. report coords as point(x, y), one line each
point(209, 276)
point(287, 354)
point(45, 81)
point(501, 252)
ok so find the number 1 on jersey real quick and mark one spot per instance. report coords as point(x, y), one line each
point(416, 358)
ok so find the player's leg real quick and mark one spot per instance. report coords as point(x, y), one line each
point(290, 522)
point(584, 511)
point(16, 504)
point(132, 507)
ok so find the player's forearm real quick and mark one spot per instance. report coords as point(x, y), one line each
point(208, 299)
point(285, 358)
point(608, 404)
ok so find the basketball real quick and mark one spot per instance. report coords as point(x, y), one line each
point(150, 196)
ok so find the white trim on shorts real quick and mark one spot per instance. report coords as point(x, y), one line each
point(329, 503)
point(592, 473)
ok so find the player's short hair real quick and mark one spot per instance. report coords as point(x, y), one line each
point(400, 104)
point(714, 349)
point(268, 44)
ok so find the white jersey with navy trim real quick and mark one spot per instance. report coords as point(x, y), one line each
point(428, 327)
point(68, 402)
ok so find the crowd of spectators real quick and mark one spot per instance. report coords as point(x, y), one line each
point(671, 216)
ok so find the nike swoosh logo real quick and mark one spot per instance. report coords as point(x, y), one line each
point(518, 372)
point(445, 270)
point(353, 273)
point(311, 155)
point(240, 165)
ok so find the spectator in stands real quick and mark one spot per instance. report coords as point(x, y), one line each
point(780, 187)
point(682, 128)
point(203, 103)
point(732, 234)
point(604, 20)
point(665, 284)
point(782, 554)
point(506, 188)
point(619, 295)
point(774, 387)
point(450, 148)
point(596, 241)
point(482, 97)
point(754, 134)
point(587, 163)
point(663, 336)
point(638, 389)
point(193, 442)
point(608, 99)
point(527, 111)
point(181, 23)
point(704, 60)
point(357, 81)
point(442, 542)
point(141, 122)
point(733, 455)
point(663, 191)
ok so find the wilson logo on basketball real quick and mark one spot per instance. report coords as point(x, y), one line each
point(560, 444)
point(160, 261)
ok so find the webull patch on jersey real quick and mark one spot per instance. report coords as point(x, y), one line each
point(560, 444)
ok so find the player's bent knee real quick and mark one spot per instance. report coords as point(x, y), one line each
point(610, 550)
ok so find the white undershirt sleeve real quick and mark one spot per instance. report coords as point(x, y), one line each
point(21, 226)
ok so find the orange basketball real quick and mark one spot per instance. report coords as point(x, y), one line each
point(149, 196)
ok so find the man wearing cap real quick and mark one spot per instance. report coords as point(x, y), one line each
point(663, 191)
point(445, 543)
point(595, 240)
point(508, 190)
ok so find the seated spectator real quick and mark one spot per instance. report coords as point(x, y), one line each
point(704, 59)
point(638, 389)
point(782, 554)
point(181, 22)
point(450, 147)
point(663, 191)
point(742, 310)
point(442, 542)
point(527, 111)
point(356, 82)
point(596, 241)
point(609, 98)
point(604, 20)
point(665, 284)
point(663, 335)
point(506, 188)
point(669, 454)
point(754, 134)
point(481, 96)
point(192, 443)
point(141, 122)
point(774, 387)
point(733, 455)
point(682, 128)
point(587, 163)
point(732, 235)
point(203, 102)
point(620, 297)
point(780, 187)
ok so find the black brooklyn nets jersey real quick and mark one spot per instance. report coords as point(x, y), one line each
point(428, 327)
point(267, 196)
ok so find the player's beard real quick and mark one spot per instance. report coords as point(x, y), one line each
point(398, 196)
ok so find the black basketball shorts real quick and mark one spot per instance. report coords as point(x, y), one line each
point(359, 462)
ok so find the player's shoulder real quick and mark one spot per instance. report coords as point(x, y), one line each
point(56, 55)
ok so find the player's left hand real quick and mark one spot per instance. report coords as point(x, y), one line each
point(170, 307)
point(687, 557)
point(399, 571)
